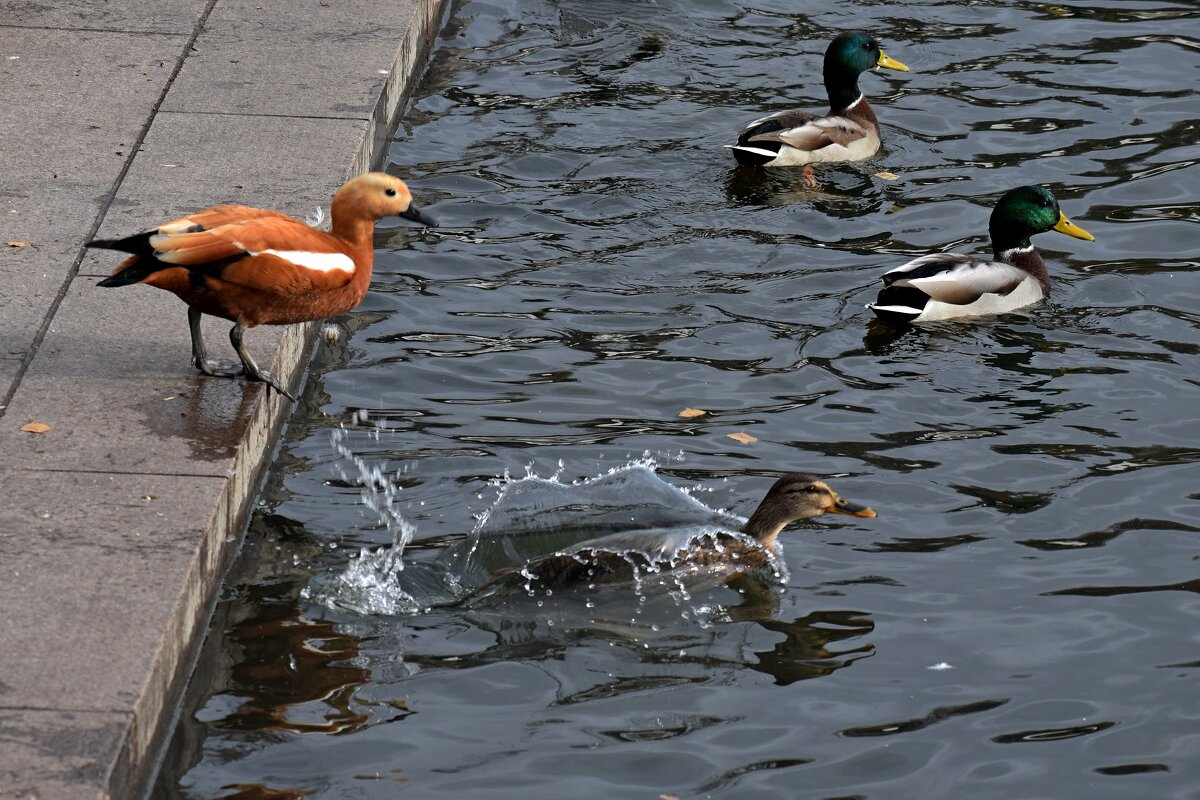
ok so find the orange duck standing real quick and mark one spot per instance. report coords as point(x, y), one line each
point(258, 267)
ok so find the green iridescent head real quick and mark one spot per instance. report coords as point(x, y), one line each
point(1025, 211)
point(848, 56)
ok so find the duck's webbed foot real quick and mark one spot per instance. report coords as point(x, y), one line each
point(810, 177)
point(218, 368)
point(250, 369)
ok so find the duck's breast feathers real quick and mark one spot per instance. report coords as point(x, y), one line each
point(947, 285)
point(266, 252)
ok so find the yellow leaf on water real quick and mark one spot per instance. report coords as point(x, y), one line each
point(33, 426)
point(887, 176)
point(688, 413)
point(744, 438)
point(668, 797)
point(19, 244)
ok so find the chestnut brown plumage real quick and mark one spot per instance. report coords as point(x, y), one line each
point(257, 267)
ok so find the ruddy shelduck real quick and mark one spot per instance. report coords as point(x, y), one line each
point(258, 267)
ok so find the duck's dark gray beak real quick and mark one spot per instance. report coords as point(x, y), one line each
point(416, 215)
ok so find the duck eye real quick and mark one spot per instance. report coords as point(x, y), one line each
point(812, 489)
point(390, 192)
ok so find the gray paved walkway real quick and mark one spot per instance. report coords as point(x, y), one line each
point(117, 523)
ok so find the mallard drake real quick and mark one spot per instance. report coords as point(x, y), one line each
point(849, 132)
point(947, 285)
point(258, 267)
point(793, 497)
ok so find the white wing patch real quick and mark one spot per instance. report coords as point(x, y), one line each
point(318, 262)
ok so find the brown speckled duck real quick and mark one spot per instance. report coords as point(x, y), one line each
point(618, 556)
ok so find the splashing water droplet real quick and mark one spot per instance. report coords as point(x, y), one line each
point(369, 583)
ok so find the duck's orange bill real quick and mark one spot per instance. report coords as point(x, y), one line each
point(843, 506)
point(1065, 225)
point(887, 62)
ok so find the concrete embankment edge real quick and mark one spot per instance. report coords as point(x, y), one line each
point(119, 522)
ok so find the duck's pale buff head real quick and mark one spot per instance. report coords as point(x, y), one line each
point(793, 497)
point(376, 195)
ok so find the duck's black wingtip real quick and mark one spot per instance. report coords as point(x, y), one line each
point(138, 244)
point(125, 277)
point(894, 315)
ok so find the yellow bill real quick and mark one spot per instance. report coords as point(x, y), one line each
point(890, 63)
point(1065, 225)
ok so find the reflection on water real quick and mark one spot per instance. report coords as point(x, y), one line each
point(1019, 622)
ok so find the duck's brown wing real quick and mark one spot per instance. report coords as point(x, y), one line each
point(803, 130)
point(215, 216)
point(270, 254)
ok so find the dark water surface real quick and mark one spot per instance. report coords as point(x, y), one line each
point(1023, 618)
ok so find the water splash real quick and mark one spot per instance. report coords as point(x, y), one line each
point(534, 516)
point(628, 512)
point(371, 583)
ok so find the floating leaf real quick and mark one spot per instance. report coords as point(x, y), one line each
point(149, 497)
point(688, 413)
point(19, 244)
point(887, 176)
point(744, 438)
point(33, 426)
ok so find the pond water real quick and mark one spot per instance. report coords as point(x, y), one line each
point(1023, 617)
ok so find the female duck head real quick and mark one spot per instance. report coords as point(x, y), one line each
point(796, 496)
point(848, 56)
point(1025, 211)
